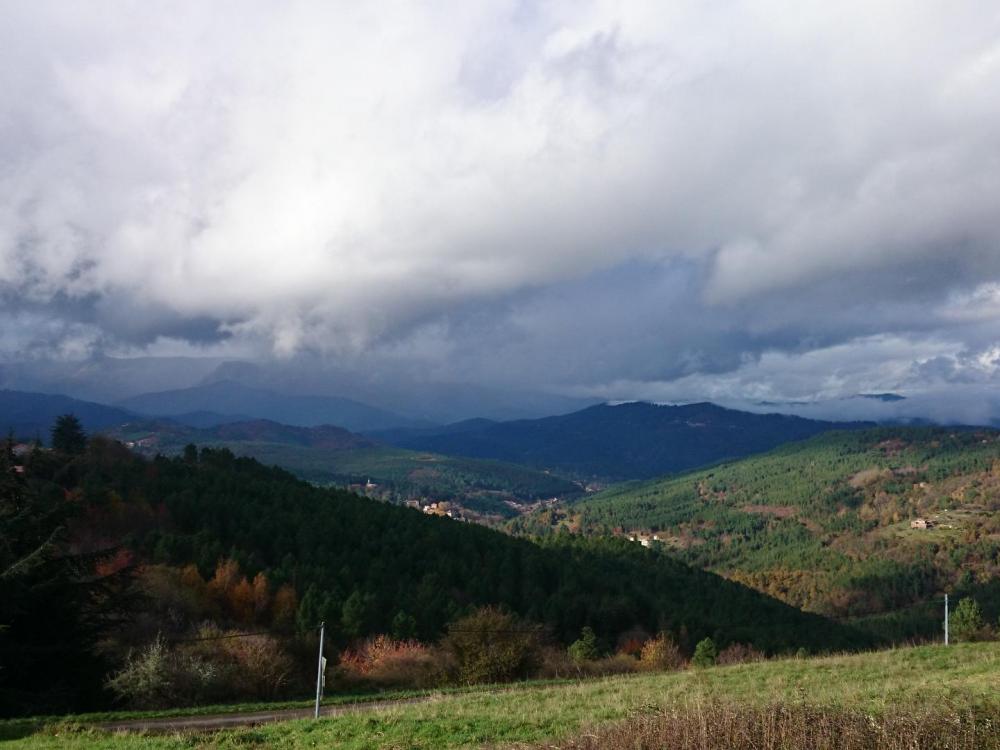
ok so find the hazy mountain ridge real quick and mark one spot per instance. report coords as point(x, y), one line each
point(231, 397)
point(634, 440)
point(29, 415)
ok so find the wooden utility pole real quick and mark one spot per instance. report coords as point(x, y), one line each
point(945, 619)
point(319, 671)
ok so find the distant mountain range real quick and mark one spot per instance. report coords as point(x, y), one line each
point(607, 443)
point(31, 415)
point(231, 398)
point(105, 379)
point(626, 441)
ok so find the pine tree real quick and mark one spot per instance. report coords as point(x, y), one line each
point(68, 435)
point(585, 648)
point(705, 653)
point(55, 607)
point(404, 626)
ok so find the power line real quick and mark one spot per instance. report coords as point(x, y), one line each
point(486, 631)
point(220, 637)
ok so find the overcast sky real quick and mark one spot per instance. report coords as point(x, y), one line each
point(663, 200)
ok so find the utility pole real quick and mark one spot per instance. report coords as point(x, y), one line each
point(945, 619)
point(319, 670)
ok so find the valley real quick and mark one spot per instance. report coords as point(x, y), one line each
point(505, 375)
point(853, 525)
point(842, 541)
point(478, 490)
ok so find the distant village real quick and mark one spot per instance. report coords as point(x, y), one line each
point(450, 508)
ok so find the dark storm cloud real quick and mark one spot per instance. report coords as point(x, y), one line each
point(674, 200)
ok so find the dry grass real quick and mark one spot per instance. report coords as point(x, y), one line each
point(717, 725)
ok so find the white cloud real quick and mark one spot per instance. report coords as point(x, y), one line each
point(347, 177)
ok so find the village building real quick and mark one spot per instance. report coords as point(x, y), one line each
point(22, 449)
point(921, 523)
point(644, 539)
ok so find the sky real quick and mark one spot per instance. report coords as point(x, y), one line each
point(674, 201)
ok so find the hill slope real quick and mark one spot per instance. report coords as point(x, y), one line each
point(627, 441)
point(825, 524)
point(30, 415)
point(358, 563)
point(326, 454)
point(229, 397)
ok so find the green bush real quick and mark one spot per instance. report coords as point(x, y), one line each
point(493, 646)
point(584, 649)
point(966, 622)
point(705, 653)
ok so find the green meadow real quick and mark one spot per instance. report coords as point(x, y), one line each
point(960, 678)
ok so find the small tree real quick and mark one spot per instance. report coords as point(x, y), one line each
point(661, 653)
point(704, 653)
point(966, 622)
point(404, 626)
point(585, 648)
point(68, 435)
point(493, 646)
point(283, 609)
point(355, 615)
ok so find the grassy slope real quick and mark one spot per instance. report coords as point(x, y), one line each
point(824, 524)
point(959, 677)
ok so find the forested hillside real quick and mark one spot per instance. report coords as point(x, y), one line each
point(626, 441)
point(331, 455)
point(826, 524)
point(210, 535)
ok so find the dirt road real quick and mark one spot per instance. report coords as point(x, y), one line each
point(225, 721)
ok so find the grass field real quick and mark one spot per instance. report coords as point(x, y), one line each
point(910, 681)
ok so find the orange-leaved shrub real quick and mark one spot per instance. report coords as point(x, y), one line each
point(386, 662)
point(661, 653)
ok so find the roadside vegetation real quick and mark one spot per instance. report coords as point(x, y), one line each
point(938, 694)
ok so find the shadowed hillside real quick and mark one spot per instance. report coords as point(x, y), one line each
point(627, 441)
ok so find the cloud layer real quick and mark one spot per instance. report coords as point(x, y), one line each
point(661, 197)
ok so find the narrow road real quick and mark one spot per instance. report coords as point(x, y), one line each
point(213, 722)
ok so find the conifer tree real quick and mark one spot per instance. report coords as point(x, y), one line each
point(68, 435)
